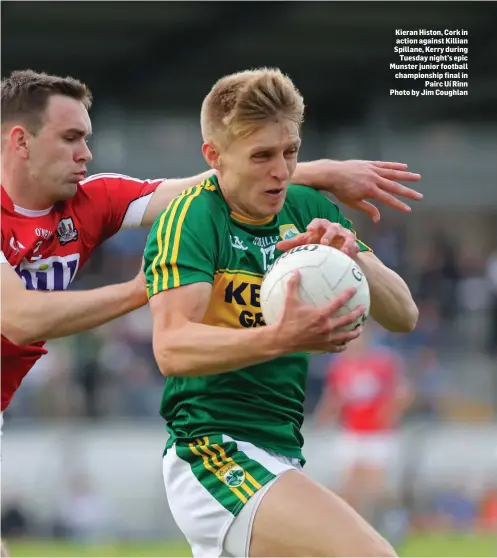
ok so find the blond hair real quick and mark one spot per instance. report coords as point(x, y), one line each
point(240, 103)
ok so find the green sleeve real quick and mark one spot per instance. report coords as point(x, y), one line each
point(322, 207)
point(181, 248)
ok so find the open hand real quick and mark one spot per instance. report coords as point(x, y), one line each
point(309, 329)
point(353, 182)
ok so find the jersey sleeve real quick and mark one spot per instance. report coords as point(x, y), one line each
point(182, 247)
point(122, 199)
point(322, 207)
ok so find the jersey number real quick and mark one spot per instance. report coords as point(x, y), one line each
point(267, 256)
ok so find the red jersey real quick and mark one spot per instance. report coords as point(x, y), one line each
point(47, 248)
point(366, 388)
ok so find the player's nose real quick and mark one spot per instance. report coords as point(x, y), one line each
point(280, 169)
point(85, 155)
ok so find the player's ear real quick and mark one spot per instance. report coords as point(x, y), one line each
point(19, 138)
point(211, 155)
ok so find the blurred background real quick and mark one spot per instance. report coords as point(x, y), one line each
point(83, 439)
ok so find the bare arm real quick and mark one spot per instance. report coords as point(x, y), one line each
point(30, 316)
point(185, 347)
point(351, 182)
point(392, 305)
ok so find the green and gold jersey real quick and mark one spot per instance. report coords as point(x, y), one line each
point(199, 239)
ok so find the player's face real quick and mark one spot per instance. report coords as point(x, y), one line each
point(58, 153)
point(255, 171)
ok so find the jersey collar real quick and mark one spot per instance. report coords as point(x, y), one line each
point(237, 216)
point(10, 206)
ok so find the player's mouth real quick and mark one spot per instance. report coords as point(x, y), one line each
point(275, 193)
point(80, 175)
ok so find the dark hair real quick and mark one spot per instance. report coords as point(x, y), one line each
point(25, 95)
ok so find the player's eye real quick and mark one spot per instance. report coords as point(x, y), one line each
point(291, 152)
point(261, 156)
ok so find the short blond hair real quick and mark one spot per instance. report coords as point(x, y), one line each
point(240, 103)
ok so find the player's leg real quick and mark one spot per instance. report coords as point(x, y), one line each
point(378, 458)
point(347, 454)
point(299, 517)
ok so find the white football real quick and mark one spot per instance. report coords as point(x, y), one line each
point(325, 272)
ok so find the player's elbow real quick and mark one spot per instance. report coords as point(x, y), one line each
point(166, 364)
point(168, 360)
point(406, 319)
point(169, 366)
point(401, 318)
point(13, 330)
point(410, 318)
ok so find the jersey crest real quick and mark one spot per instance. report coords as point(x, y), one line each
point(66, 231)
point(288, 231)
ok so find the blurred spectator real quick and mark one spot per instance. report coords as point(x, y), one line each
point(430, 383)
point(366, 393)
point(438, 274)
point(389, 241)
point(491, 275)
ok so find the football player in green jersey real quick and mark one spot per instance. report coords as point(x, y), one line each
point(233, 399)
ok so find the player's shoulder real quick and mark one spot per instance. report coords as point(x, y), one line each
point(196, 205)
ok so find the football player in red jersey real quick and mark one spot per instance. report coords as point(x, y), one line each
point(366, 394)
point(53, 217)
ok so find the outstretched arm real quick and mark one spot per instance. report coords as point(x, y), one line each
point(351, 182)
point(30, 316)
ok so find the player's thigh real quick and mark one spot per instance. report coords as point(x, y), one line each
point(299, 517)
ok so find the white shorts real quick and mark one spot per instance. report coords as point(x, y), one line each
point(214, 486)
point(375, 449)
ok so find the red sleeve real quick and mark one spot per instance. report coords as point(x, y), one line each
point(122, 199)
